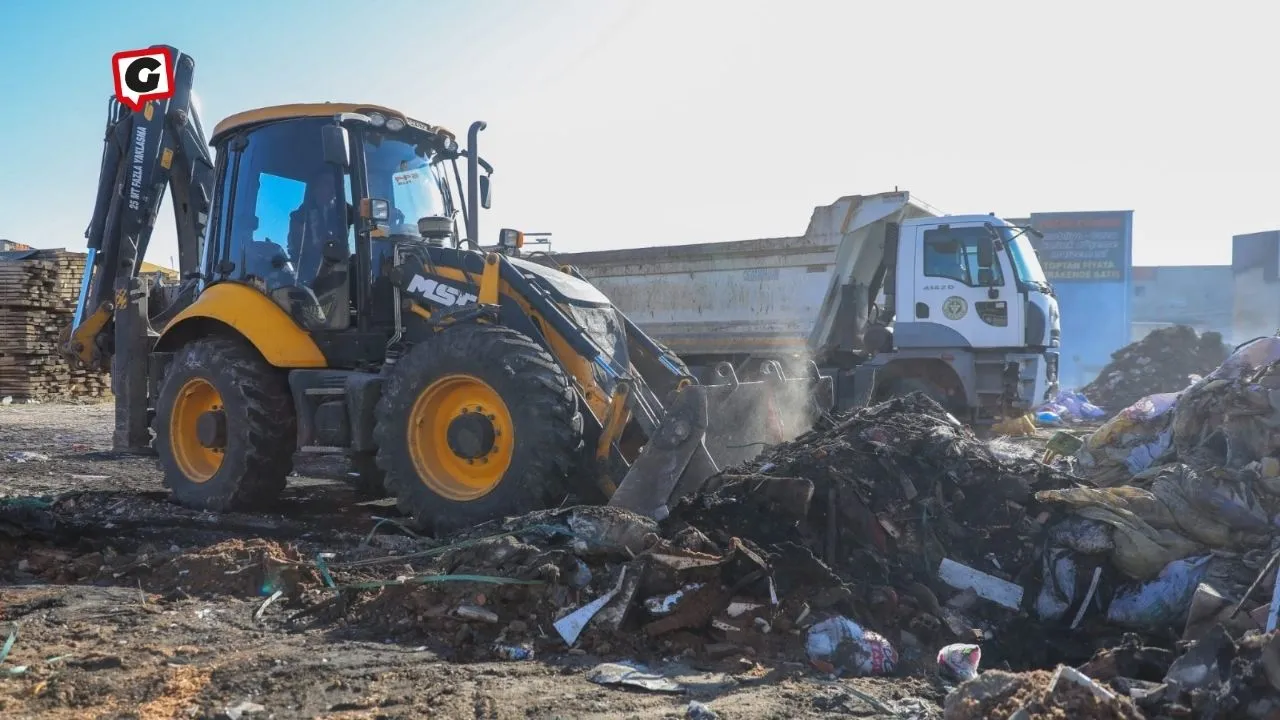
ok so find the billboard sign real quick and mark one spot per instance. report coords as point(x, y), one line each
point(1087, 256)
point(1085, 247)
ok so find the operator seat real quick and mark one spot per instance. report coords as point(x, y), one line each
point(319, 252)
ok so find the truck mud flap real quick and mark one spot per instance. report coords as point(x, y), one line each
point(651, 480)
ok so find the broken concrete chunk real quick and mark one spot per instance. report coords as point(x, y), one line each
point(988, 587)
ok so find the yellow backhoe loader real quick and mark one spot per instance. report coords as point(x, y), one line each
point(332, 304)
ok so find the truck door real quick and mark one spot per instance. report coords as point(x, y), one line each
point(964, 284)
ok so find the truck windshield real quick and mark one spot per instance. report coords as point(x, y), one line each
point(1025, 262)
point(408, 178)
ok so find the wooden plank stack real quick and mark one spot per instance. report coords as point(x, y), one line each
point(37, 299)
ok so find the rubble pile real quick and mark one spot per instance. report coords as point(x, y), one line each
point(828, 550)
point(863, 546)
point(1166, 360)
point(892, 482)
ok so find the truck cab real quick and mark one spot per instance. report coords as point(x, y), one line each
point(972, 294)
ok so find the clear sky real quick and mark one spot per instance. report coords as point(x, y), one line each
point(616, 123)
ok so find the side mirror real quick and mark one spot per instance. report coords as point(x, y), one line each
point(336, 145)
point(486, 200)
point(986, 252)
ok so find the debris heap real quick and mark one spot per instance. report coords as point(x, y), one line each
point(1164, 361)
point(38, 290)
point(833, 539)
point(895, 488)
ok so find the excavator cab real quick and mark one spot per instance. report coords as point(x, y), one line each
point(341, 302)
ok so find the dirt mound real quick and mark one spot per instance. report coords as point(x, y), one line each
point(245, 568)
point(1163, 361)
point(997, 695)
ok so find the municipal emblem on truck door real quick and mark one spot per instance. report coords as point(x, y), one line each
point(955, 307)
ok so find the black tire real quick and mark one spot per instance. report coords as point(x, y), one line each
point(365, 477)
point(260, 426)
point(541, 410)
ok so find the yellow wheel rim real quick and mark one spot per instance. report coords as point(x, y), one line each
point(196, 397)
point(460, 437)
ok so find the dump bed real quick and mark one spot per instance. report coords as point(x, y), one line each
point(761, 297)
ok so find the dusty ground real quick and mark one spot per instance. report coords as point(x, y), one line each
point(149, 612)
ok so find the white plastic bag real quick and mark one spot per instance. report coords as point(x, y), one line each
point(850, 649)
point(959, 661)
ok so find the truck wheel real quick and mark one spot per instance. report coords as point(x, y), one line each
point(476, 423)
point(365, 477)
point(225, 429)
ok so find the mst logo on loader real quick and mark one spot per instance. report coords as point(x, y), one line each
point(440, 293)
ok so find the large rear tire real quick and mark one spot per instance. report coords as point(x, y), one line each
point(476, 423)
point(225, 428)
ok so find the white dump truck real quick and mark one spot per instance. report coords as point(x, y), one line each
point(882, 292)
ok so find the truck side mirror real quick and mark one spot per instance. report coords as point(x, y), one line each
point(486, 201)
point(986, 252)
point(336, 145)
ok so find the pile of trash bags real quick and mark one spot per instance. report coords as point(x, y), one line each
point(1069, 406)
point(1166, 359)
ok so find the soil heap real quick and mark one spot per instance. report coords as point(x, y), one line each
point(1163, 361)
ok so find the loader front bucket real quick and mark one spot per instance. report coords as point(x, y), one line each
point(744, 418)
point(705, 428)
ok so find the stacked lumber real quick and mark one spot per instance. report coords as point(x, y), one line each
point(37, 299)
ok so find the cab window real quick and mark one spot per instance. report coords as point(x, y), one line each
point(291, 210)
point(953, 254)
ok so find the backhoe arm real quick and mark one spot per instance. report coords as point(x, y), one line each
point(143, 152)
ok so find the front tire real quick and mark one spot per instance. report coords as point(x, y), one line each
point(476, 423)
point(225, 429)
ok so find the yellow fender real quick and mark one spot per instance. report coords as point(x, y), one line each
point(256, 318)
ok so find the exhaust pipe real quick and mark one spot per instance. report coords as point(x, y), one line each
point(473, 181)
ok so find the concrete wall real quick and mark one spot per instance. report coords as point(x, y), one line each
point(1197, 295)
point(1255, 267)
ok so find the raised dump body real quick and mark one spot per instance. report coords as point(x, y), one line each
point(730, 300)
